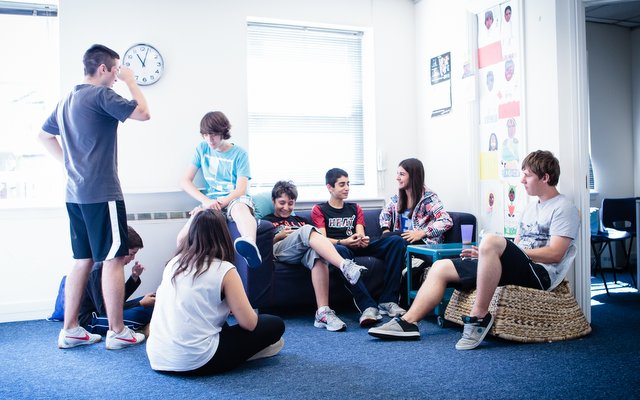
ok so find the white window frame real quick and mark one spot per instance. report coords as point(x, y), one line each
point(364, 190)
point(26, 167)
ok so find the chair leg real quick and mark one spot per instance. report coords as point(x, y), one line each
point(613, 264)
point(628, 266)
point(598, 254)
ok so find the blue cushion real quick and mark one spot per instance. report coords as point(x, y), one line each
point(58, 308)
point(262, 203)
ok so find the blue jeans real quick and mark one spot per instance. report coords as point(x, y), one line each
point(134, 318)
point(392, 250)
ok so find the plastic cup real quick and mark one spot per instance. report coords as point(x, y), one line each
point(467, 233)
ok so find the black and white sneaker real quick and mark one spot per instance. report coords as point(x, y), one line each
point(396, 329)
point(475, 329)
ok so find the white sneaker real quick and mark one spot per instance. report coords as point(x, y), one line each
point(76, 337)
point(391, 309)
point(352, 271)
point(126, 338)
point(327, 318)
point(370, 316)
point(269, 351)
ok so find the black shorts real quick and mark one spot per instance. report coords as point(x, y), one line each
point(98, 230)
point(517, 269)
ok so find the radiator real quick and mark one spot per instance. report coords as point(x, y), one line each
point(158, 231)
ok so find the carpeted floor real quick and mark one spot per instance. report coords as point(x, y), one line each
point(319, 364)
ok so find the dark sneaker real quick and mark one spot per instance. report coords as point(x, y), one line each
point(370, 316)
point(248, 249)
point(396, 329)
point(391, 309)
point(76, 337)
point(475, 329)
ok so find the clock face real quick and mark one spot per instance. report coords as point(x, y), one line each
point(146, 62)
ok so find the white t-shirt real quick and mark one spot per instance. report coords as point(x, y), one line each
point(554, 217)
point(187, 318)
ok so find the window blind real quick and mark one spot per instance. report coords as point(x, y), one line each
point(305, 103)
point(34, 9)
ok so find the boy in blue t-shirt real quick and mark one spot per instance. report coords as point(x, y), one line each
point(225, 167)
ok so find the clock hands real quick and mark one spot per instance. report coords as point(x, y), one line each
point(144, 75)
point(145, 57)
point(142, 62)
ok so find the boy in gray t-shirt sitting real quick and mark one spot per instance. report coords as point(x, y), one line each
point(538, 258)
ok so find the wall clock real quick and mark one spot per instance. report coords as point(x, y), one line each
point(146, 63)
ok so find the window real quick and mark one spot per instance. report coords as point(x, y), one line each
point(305, 103)
point(29, 90)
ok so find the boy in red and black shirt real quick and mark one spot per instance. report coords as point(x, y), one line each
point(343, 223)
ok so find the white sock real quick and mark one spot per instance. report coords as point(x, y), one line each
point(323, 308)
point(75, 331)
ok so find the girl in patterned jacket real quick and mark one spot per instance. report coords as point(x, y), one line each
point(415, 213)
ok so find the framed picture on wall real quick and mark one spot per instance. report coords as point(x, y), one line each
point(440, 72)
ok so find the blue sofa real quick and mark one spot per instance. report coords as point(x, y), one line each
point(278, 286)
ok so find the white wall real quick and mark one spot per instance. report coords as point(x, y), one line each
point(635, 103)
point(446, 143)
point(204, 48)
point(553, 115)
point(611, 112)
point(203, 43)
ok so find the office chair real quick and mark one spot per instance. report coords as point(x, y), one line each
point(618, 218)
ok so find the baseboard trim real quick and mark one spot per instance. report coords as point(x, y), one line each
point(13, 312)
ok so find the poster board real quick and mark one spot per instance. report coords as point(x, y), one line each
point(440, 72)
point(502, 128)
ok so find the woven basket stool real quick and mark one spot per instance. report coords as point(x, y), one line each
point(527, 315)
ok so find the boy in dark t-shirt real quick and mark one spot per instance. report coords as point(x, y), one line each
point(343, 224)
point(296, 241)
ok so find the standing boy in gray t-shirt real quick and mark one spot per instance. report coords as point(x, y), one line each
point(87, 122)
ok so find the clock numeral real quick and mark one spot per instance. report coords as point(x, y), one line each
point(144, 79)
point(152, 77)
point(159, 64)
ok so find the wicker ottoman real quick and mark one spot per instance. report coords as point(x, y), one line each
point(527, 315)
